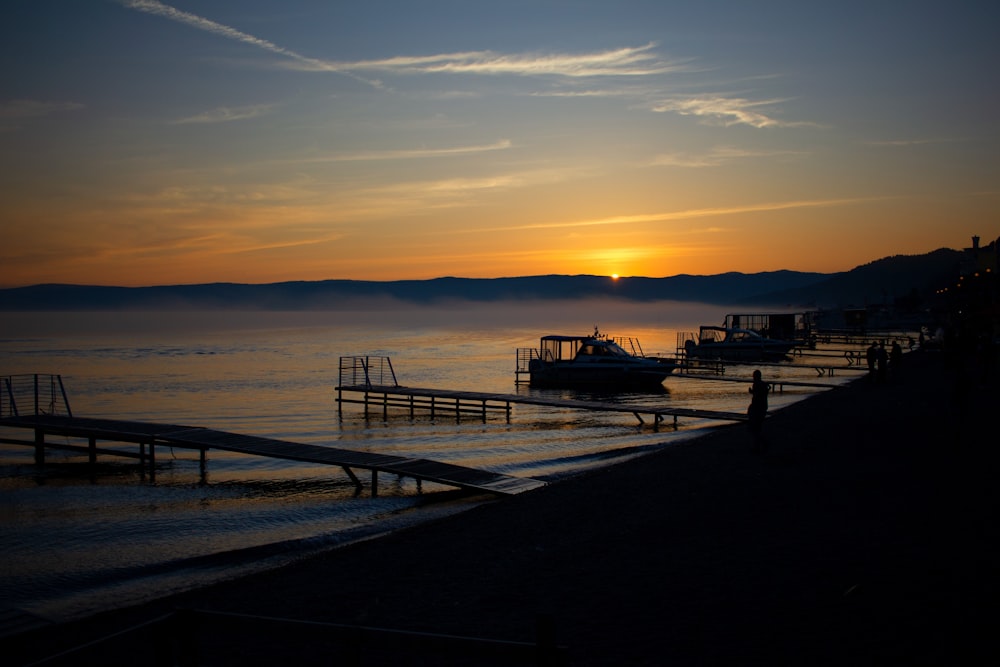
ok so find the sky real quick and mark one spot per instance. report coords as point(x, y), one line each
point(257, 141)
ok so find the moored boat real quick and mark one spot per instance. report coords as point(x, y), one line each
point(590, 362)
point(734, 344)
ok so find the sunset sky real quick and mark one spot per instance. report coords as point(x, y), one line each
point(146, 143)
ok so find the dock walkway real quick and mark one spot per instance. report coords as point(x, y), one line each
point(777, 384)
point(481, 403)
point(150, 435)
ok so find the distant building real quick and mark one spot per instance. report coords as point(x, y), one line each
point(975, 299)
point(980, 259)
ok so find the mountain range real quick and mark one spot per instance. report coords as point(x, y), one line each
point(885, 281)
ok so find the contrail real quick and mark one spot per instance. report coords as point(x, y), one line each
point(627, 61)
point(159, 9)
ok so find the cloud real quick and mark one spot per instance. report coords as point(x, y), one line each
point(226, 114)
point(714, 158)
point(726, 110)
point(625, 61)
point(696, 213)
point(900, 143)
point(583, 93)
point(403, 199)
point(502, 144)
point(16, 109)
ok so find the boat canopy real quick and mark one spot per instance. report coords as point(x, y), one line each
point(714, 334)
point(565, 348)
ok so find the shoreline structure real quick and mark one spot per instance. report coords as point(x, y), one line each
point(860, 537)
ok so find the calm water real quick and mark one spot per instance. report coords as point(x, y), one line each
point(76, 541)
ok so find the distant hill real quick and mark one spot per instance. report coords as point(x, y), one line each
point(884, 281)
point(877, 282)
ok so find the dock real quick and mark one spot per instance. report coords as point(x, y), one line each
point(445, 401)
point(371, 381)
point(777, 384)
point(148, 436)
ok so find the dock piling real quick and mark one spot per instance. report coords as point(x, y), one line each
point(39, 447)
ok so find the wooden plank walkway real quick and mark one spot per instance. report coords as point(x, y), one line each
point(150, 435)
point(777, 383)
point(705, 367)
point(464, 402)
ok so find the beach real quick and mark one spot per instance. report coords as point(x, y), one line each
point(859, 537)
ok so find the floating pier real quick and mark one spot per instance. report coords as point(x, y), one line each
point(148, 436)
point(777, 384)
point(384, 392)
point(374, 386)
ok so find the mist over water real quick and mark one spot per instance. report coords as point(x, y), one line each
point(77, 540)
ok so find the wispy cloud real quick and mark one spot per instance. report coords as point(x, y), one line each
point(226, 114)
point(583, 93)
point(403, 199)
point(503, 144)
point(14, 114)
point(726, 110)
point(692, 214)
point(716, 157)
point(625, 61)
point(21, 109)
point(901, 143)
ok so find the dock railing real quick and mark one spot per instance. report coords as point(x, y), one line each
point(367, 372)
point(629, 344)
point(33, 394)
point(525, 355)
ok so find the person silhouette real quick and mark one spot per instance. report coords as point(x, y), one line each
point(895, 359)
point(758, 410)
point(871, 354)
point(881, 362)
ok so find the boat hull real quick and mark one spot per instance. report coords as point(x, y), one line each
point(571, 376)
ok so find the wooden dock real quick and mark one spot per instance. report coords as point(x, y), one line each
point(148, 436)
point(777, 384)
point(457, 403)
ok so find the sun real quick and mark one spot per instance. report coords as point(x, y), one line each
point(614, 276)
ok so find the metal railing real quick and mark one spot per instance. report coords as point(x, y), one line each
point(366, 372)
point(630, 344)
point(33, 394)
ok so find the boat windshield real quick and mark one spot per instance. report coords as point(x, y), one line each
point(739, 336)
point(602, 349)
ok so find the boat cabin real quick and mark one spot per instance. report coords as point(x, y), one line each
point(567, 348)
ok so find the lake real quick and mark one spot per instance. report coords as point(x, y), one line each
point(77, 540)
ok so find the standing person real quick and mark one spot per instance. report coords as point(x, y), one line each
point(881, 362)
point(870, 354)
point(757, 411)
point(895, 359)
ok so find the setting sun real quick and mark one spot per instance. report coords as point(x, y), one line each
point(614, 276)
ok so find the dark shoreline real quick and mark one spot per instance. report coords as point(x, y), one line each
point(860, 537)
